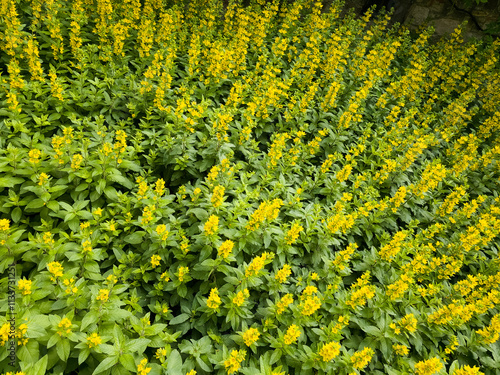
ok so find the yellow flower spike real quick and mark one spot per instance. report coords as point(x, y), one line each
point(24, 286)
point(428, 367)
point(283, 273)
point(250, 336)
point(56, 269)
point(225, 249)
point(182, 272)
point(292, 334)
point(103, 295)
point(233, 363)
point(93, 340)
point(4, 225)
point(361, 359)
point(211, 226)
point(155, 260)
point(213, 301)
point(329, 351)
point(142, 368)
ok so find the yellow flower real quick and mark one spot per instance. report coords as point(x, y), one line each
point(87, 246)
point(233, 363)
point(34, 155)
point(42, 178)
point(182, 272)
point(211, 225)
point(24, 286)
point(192, 372)
point(161, 352)
point(56, 269)
point(218, 196)
point(292, 334)
point(103, 295)
point(400, 349)
point(65, 326)
point(98, 211)
point(155, 260)
point(225, 249)
point(467, 370)
point(4, 334)
point(329, 351)
point(428, 367)
point(93, 340)
point(257, 264)
point(286, 300)
point(213, 300)
point(165, 276)
point(362, 358)
point(283, 273)
point(76, 161)
point(292, 235)
point(4, 225)
point(310, 305)
point(240, 297)
point(250, 336)
point(160, 187)
point(142, 369)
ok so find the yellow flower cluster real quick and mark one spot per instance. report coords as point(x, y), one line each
point(398, 198)
point(293, 233)
point(34, 156)
point(390, 250)
point(491, 333)
point(183, 271)
point(24, 286)
point(142, 368)
point(283, 303)
point(451, 201)
point(64, 326)
point(103, 295)
point(361, 291)
point(225, 249)
point(76, 161)
point(162, 231)
point(267, 210)
point(257, 264)
point(213, 300)
point(400, 349)
point(4, 225)
point(283, 273)
point(398, 288)
point(292, 334)
point(428, 367)
point(87, 246)
point(250, 336)
point(240, 297)
point(155, 260)
point(431, 176)
point(361, 359)
point(218, 196)
point(56, 269)
point(233, 363)
point(211, 225)
point(408, 323)
point(329, 351)
point(342, 257)
point(467, 370)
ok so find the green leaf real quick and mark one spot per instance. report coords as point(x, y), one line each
point(174, 363)
point(127, 361)
point(88, 319)
point(121, 180)
point(10, 181)
point(137, 345)
point(134, 238)
point(63, 348)
point(41, 366)
point(35, 203)
point(105, 364)
point(53, 205)
point(83, 355)
point(54, 339)
point(179, 319)
point(16, 214)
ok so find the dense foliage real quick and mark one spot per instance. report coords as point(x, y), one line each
point(260, 189)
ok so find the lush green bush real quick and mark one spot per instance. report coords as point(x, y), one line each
point(268, 189)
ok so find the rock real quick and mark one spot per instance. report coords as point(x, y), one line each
point(417, 15)
point(444, 26)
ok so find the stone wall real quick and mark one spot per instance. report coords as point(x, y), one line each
point(441, 14)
